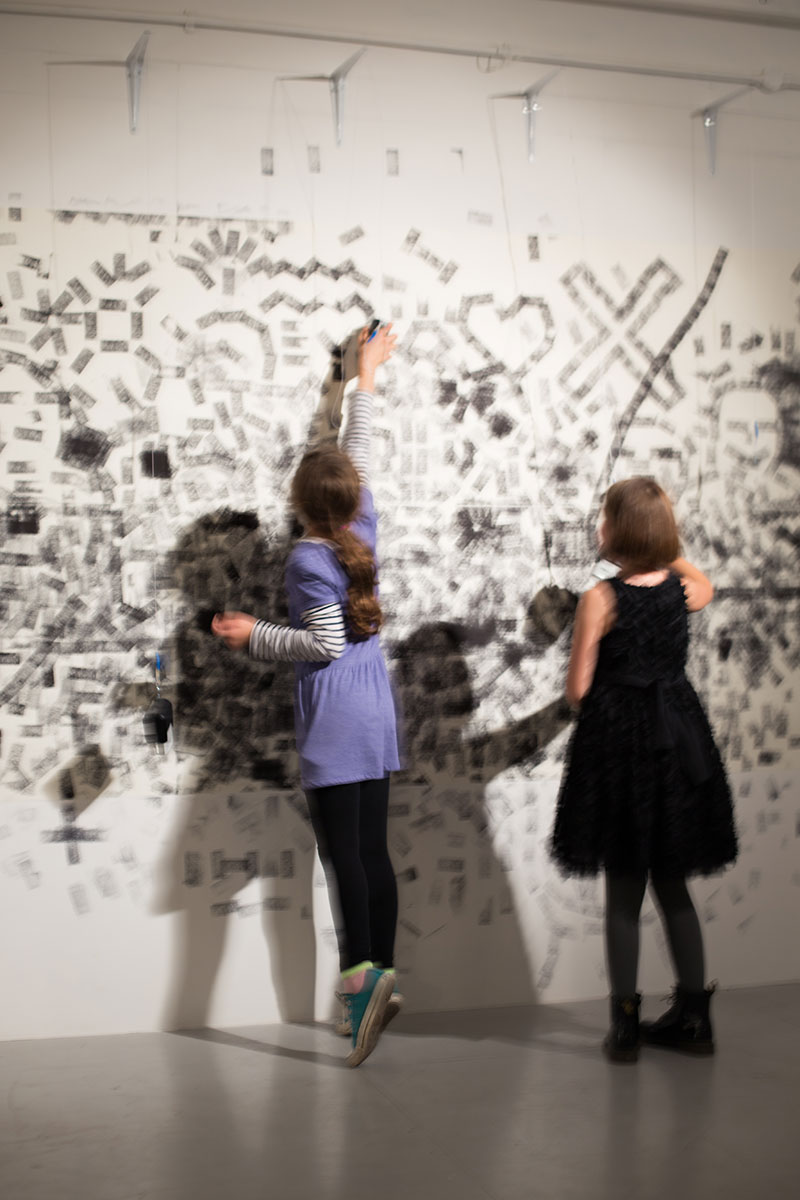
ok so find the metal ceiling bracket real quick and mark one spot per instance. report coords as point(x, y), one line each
point(134, 64)
point(530, 107)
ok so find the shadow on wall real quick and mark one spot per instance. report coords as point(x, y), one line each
point(460, 944)
point(244, 822)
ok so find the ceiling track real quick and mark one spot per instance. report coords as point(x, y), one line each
point(500, 54)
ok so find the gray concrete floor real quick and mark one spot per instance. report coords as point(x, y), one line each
point(508, 1104)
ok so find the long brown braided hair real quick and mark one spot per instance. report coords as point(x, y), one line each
point(325, 492)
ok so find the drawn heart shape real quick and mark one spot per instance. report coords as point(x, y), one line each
point(516, 337)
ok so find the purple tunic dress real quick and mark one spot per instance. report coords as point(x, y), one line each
point(344, 714)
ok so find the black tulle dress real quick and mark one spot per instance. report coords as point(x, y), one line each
point(644, 788)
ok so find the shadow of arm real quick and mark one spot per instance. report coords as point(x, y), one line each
point(492, 753)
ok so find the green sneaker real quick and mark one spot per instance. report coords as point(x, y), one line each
point(366, 1010)
point(342, 1026)
point(394, 1003)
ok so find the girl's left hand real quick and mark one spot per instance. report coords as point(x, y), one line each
point(234, 628)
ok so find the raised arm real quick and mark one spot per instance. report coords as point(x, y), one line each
point(327, 419)
point(492, 753)
point(357, 434)
point(698, 588)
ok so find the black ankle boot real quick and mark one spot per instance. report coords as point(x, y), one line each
point(622, 1040)
point(686, 1025)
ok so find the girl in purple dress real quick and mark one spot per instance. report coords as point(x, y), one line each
point(344, 713)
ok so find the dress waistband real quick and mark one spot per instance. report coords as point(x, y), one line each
point(356, 654)
point(675, 729)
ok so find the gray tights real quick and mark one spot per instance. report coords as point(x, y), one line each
point(624, 896)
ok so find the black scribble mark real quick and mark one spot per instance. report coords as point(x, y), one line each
point(215, 237)
point(659, 363)
point(479, 526)
point(39, 316)
point(273, 268)
point(221, 866)
point(483, 398)
point(82, 361)
point(517, 312)
point(22, 518)
point(413, 245)
point(247, 248)
point(198, 270)
point(155, 464)
point(618, 327)
point(718, 373)
point(725, 337)
point(71, 834)
point(80, 291)
point(501, 425)
point(782, 381)
point(103, 274)
point(58, 307)
point(84, 448)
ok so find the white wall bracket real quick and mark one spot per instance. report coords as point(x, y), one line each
point(133, 65)
point(133, 69)
point(710, 117)
point(336, 84)
point(530, 107)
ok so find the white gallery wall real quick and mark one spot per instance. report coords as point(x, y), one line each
point(171, 299)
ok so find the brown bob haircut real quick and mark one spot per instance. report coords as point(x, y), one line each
point(326, 492)
point(640, 525)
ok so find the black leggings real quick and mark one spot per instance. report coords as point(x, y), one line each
point(624, 896)
point(350, 823)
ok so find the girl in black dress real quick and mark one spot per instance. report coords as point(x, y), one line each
point(644, 793)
